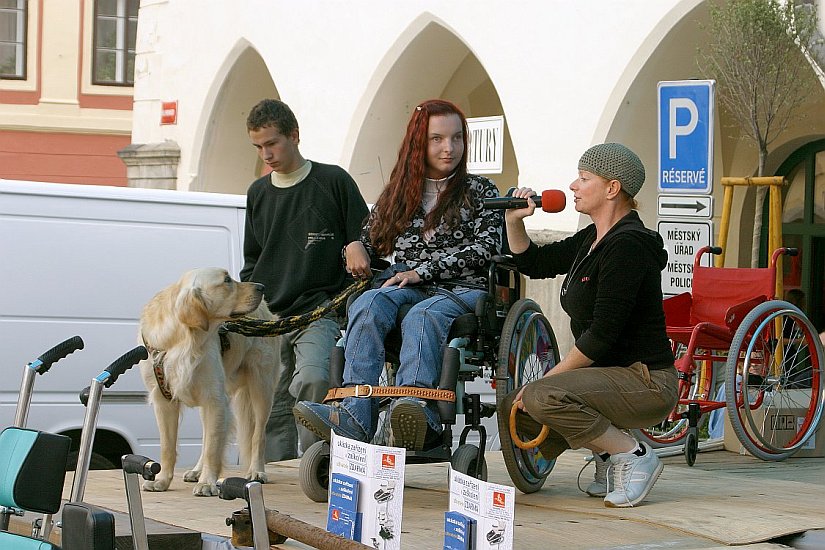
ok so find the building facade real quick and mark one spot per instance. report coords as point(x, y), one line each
point(66, 83)
point(564, 75)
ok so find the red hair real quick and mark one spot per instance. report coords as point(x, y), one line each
point(397, 203)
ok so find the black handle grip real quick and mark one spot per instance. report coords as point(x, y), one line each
point(137, 464)
point(792, 251)
point(231, 488)
point(715, 250)
point(124, 363)
point(58, 352)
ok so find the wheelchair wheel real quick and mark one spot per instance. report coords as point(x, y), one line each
point(775, 365)
point(701, 385)
point(691, 447)
point(527, 350)
point(314, 471)
point(464, 460)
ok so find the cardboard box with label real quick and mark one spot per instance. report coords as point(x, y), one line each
point(783, 423)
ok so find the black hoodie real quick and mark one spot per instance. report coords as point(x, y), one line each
point(613, 294)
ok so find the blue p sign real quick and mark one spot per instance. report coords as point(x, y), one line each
point(686, 136)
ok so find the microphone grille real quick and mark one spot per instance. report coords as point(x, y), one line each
point(553, 200)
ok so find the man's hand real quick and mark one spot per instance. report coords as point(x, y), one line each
point(358, 261)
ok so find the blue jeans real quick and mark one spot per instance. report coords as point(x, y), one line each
point(424, 337)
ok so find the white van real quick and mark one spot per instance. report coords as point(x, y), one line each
point(83, 260)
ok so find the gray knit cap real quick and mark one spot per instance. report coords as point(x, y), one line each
point(614, 161)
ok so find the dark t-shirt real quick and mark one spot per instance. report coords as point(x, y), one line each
point(294, 236)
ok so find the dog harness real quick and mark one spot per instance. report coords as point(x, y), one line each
point(159, 355)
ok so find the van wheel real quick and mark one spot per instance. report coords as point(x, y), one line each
point(96, 462)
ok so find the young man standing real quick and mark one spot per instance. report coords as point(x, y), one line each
point(298, 220)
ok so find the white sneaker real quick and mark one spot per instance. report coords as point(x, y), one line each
point(633, 477)
point(599, 486)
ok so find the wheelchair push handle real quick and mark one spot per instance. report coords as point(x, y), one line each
point(113, 371)
point(43, 363)
point(525, 445)
point(231, 488)
point(697, 260)
point(141, 465)
point(124, 363)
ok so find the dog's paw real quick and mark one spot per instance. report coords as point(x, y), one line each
point(257, 476)
point(157, 486)
point(205, 490)
point(191, 476)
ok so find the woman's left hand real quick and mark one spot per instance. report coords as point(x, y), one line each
point(403, 279)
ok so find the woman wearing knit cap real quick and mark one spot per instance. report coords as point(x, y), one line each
point(620, 373)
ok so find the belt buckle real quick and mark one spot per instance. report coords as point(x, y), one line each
point(369, 394)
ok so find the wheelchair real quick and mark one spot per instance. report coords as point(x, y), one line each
point(772, 356)
point(506, 341)
point(33, 469)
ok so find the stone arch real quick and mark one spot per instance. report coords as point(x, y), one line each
point(227, 163)
point(406, 76)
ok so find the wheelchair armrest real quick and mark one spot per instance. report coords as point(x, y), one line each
point(505, 261)
point(87, 526)
point(736, 313)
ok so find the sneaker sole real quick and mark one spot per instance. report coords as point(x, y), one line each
point(409, 426)
point(640, 498)
point(311, 422)
point(598, 494)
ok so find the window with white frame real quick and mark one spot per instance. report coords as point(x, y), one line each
point(13, 39)
point(114, 42)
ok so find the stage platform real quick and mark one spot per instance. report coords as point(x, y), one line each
point(725, 499)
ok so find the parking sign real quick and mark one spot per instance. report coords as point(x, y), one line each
point(686, 136)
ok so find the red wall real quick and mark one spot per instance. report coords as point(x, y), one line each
point(62, 158)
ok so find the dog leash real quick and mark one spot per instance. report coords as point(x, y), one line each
point(248, 326)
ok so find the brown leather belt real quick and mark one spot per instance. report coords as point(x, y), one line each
point(366, 390)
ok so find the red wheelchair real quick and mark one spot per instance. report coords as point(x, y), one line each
point(731, 329)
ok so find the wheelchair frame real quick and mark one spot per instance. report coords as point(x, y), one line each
point(774, 382)
point(510, 344)
point(35, 468)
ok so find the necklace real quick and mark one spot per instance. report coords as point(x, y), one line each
point(442, 180)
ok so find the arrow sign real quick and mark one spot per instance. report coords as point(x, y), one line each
point(697, 206)
point(686, 206)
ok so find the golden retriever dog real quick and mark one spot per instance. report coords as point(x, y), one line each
point(179, 326)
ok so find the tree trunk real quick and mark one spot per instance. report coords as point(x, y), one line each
point(761, 190)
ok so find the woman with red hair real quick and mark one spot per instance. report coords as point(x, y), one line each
point(430, 219)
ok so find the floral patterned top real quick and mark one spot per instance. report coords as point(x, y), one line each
point(455, 255)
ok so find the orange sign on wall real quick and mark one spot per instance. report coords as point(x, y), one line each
point(169, 112)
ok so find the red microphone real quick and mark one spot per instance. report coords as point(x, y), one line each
point(551, 200)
